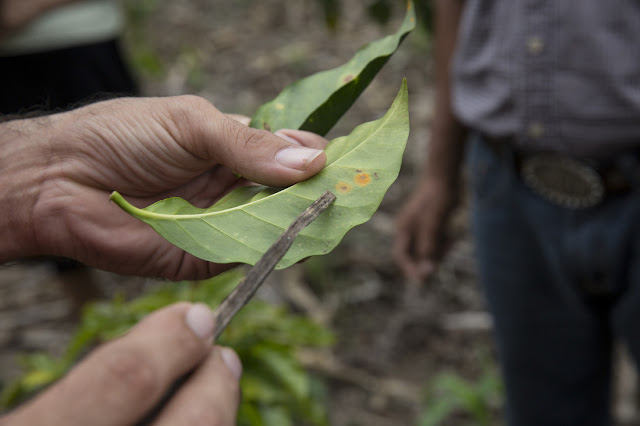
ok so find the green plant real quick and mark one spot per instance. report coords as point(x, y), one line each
point(379, 11)
point(243, 225)
point(315, 103)
point(143, 57)
point(275, 386)
point(450, 395)
point(360, 168)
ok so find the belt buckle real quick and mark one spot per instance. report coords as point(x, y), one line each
point(564, 181)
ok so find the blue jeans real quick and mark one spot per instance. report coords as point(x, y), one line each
point(561, 285)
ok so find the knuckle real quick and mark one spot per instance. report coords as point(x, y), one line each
point(249, 139)
point(216, 413)
point(127, 369)
point(205, 416)
point(190, 114)
point(190, 346)
point(234, 389)
point(245, 144)
point(192, 102)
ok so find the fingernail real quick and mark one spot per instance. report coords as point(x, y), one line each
point(297, 158)
point(200, 320)
point(287, 137)
point(232, 361)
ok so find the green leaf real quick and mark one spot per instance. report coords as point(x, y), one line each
point(257, 387)
point(284, 369)
point(243, 225)
point(276, 416)
point(317, 102)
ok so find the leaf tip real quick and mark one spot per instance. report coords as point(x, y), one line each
point(404, 88)
point(410, 16)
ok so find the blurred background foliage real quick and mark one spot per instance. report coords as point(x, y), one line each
point(149, 64)
point(276, 389)
point(450, 398)
point(379, 11)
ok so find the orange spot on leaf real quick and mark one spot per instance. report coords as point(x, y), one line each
point(343, 187)
point(362, 179)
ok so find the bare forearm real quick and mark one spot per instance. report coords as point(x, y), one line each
point(22, 171)
point(447, 132)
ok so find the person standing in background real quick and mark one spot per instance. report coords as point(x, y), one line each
point(545, 97)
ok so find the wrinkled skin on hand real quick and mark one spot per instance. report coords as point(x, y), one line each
point(146, 149)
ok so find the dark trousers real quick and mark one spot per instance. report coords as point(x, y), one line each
point(561, 285)
point(63, 78)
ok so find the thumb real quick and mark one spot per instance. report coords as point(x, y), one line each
point(263, 157)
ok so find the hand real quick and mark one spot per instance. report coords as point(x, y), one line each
point(420, 229)
point(122, 380)
point(146, 149)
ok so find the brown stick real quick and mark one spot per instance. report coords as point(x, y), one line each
point(256, 276)
point(248, 287)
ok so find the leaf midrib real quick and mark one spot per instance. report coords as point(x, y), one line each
point(153, 215)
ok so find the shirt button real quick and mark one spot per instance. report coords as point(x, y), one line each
point(536, 130)
point(535, 45)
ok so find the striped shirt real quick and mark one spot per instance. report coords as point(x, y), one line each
point(561, 75)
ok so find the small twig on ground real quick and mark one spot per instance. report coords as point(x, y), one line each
point(329, 365)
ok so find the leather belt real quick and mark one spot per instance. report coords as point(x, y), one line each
point(570, 182)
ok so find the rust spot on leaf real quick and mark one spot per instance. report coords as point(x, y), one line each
point(348, 78)
point(279, 106)
point(358, 171)
point(362, 179)
point(266, 126)
point(343, 187)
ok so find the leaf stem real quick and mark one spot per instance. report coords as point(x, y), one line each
point(124, 205)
